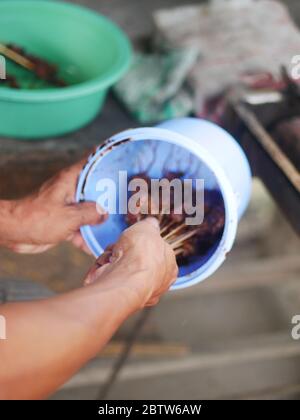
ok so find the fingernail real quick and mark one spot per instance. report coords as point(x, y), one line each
point(101, 210)
point(116, 256)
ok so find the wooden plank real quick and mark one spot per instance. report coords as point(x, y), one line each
point(281, 180)
point(267, 142)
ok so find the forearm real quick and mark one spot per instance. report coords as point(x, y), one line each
point(48, 341)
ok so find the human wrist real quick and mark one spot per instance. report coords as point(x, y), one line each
point(8, 222)
point(18, 220)
point(101, 300)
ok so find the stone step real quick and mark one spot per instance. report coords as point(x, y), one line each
point(272, 363)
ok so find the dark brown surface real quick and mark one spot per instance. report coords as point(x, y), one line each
point(287, 136)
point(281, 181)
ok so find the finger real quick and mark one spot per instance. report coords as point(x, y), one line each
point(171, 273)
point(78, 241)
point(102, 260)
point(152, 302)
point(30, 249)
point(100, 267)
point(91, 276)
point(147, 225)
point(105, 257)
point(152, 221)
point(88, 213)
point(116, 254)
point(94, 274)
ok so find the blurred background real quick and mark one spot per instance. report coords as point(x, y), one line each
point(229, 337)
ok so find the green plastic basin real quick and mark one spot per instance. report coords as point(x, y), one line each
point(90, 51)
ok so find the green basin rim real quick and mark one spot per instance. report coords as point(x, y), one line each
point(81, 89)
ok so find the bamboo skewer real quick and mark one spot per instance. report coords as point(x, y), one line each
point(178, 251)
point(178, 234)
point(167, 226)
point(174, 231)
point(16, 57)
point(180, 240)
point(41, 68)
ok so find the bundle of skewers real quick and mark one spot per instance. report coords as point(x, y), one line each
point(187, 241)
point(40, 68)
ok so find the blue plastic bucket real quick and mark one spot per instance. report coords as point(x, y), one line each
point(200, 150)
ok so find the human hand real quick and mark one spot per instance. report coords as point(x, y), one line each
point(50, 215)
point(140, 263)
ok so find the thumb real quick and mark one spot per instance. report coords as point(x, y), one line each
point(88, 213)
point(152, 221)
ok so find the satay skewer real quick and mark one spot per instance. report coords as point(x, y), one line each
point(181, 239)
point(178, 251)
point(174, 231)
point(167, 226)
point(16, 57)
point(41, 68)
